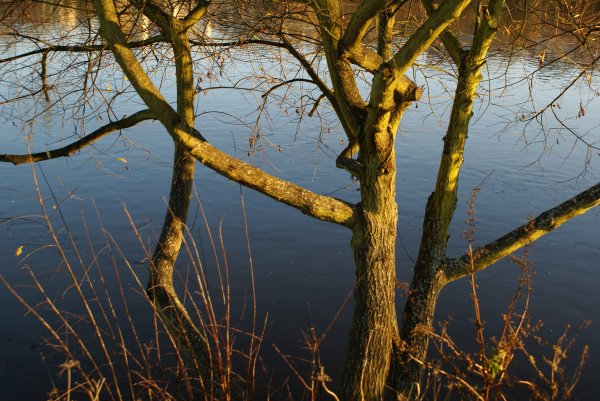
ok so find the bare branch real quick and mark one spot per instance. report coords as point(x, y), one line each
point(450, 41)
point(76, 146)
point(284, 83)
point(195, 14)
point(525, 234)
point(82, 48)
point(429, 31)
point(352, 107)
point(312, 73)
point(319, 206)
point(286, 45)
point(156, 14)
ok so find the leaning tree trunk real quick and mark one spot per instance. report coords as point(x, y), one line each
point(161, 290)
point(429, 279)
point(429, 276)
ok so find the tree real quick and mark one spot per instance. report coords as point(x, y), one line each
point(382, 352)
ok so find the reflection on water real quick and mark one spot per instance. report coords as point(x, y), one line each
point(304, 268)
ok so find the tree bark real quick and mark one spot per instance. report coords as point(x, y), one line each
point(161, 291)
point(429, 278)
point(374, 324)
point(374, 319)
point(429, 275)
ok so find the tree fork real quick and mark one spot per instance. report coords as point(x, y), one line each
point(546, 222)
point(160, 282)
point(374, 324)
point(429, 276)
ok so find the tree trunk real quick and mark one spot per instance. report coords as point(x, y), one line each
point(171, 236)
point(429, 276)
point(411, 351)
point(374, 326)
point(374, 320)
point(161, 290)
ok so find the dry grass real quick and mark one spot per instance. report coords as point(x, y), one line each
point(108, 341)
point(503, 367)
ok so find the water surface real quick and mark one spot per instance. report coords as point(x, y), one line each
point(303, 268)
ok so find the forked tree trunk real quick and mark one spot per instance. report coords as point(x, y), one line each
point(160, 286)
point(374, 326)
point(161, 290)
point(429, 276)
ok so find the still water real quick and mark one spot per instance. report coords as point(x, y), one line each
point(303, 268)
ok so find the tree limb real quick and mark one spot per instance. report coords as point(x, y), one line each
point(76, 146)
point(284, 83)
point(361, 21)
point(424, 36)
point(450, 41)
point(82, 48)
point(156, 14)
point(346, 162)
point(195, 14)
point(523, 235)
point(355, 32)
point(135, 73)
point(352, 107)
point(385, 30)
point(442, 202)
point(365, 58)
point(318, 206)
point(453, 46)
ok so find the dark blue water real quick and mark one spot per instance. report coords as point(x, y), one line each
point(303, 268)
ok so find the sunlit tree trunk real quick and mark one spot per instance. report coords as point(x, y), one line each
point(374, 317)
point(161, 288)
point(429, 276)
point(374, 325)
point(376, 347)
